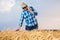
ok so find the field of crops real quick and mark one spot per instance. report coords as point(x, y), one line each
point(30, 35)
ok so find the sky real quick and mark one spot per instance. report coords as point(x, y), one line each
point(48, 13)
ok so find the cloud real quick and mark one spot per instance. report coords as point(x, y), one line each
point(6, 5)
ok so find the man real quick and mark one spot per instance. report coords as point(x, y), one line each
point(28, 14)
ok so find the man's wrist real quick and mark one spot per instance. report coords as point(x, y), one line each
point(32, 12)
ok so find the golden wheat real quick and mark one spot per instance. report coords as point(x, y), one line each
point(30, 35)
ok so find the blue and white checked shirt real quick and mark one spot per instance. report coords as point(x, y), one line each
point(29, 17)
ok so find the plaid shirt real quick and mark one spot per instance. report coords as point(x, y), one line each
point(29, 17)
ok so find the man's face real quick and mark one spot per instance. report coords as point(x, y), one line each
point(25, 8)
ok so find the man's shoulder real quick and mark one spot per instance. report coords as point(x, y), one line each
point(24, 12)
point(31, 6)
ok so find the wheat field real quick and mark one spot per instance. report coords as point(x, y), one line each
point(30, 35)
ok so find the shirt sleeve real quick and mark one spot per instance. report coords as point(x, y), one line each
point(35, 12)
point(21, 20)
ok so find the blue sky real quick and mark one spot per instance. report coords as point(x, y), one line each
point(48, 13)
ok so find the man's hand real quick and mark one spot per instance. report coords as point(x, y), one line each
point(18, 28)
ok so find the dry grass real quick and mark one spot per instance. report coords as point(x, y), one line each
point(30, 35)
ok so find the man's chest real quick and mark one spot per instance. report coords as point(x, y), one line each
point(28, 14)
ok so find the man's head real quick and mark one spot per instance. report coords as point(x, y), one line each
point(24, 6)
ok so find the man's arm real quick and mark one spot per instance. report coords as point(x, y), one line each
point(21, 22)
point(21, 19)
point(32, 10)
